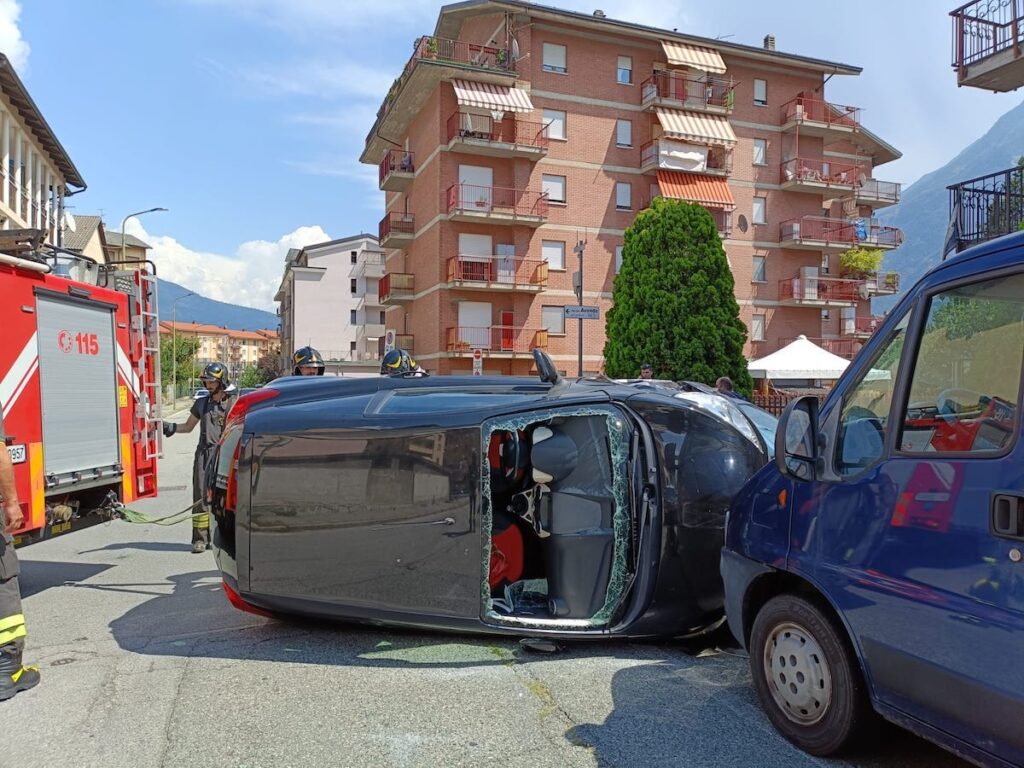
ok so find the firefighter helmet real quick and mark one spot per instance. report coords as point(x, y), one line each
point(307, 356)
point(398, 362)
point(216, 372)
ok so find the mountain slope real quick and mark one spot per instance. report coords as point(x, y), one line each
point(923, 213)
point(200, 309)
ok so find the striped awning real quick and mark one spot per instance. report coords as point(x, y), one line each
point(494, 97)
point(694, 126)
point(696, 56)
point(709, 191)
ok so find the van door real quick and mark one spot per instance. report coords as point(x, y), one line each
point(916, 529)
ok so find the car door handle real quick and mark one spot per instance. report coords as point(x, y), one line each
point(1008, 515)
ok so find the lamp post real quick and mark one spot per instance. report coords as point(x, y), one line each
point(124, 235)
point(174, 341)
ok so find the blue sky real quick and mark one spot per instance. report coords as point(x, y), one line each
point(246, 117)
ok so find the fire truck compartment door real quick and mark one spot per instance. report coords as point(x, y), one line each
point(78, 385)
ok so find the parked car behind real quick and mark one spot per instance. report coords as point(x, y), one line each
point(877, 566)
point(534, 506)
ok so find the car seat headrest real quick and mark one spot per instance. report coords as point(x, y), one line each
point(554, 455)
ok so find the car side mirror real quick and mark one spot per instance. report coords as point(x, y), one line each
point(797, 442)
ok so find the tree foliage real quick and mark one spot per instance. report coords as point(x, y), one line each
point(860, 261)
point(266, 370)
point(185, 354)
point(674, 300)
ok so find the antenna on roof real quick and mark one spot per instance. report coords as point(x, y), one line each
point(724, 37)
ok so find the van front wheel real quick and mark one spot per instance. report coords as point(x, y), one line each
point(806, 677)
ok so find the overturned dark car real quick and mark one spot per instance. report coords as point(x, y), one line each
point(537, 506)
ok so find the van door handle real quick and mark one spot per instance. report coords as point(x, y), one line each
point(1008, 515)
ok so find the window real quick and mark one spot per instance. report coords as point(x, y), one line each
point(966, 381)
point(760, 93)
point(623, 195)
point(554, 58)
point(352, 317)
point(760, 152)
point(553, 252)
point(554, 186)
point(757, 328)
point(553, 319)
point(618, 259)
point(759, 210)
point(624, 133)
point(381, 318)
point(826, 315)
point(554, 119)
point(624, 71)
point(824, 264)
point(354, 256)
point(865, 411)
point(351, 346)
point(353, 285)
point(759, 272)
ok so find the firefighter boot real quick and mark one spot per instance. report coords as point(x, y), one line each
point(15, 678)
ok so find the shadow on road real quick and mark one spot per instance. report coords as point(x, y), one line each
point(39, 575)
point(148, 546)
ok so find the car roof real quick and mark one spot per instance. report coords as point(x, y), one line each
point(1006, 251)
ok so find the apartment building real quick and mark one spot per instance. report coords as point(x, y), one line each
point(237, 349)
point(329, 299)
point(37, 171)
point(516, 131)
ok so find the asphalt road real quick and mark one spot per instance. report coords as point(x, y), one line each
point(145, 663)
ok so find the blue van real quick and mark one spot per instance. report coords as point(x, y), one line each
point(877, 566)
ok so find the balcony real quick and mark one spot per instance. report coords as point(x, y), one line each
point(987, 207)
point(882, 283)
point(396, 230)
point(821, 233)
point(819, 292)
point(483, 135)
point(433, 59)
point(404, 341)
point(496, 341)
point(818, 177)
point(659, 154)
point(497, 273)
point(496, 205)
point(846, 348)
point(877, 194)
point(721, 216)
point(859, 327)
point(369, 330)
point(677, 90)
point(396, 170)
point(396, 287)
point(988, 40)
point(814, 117)
point(369, 300)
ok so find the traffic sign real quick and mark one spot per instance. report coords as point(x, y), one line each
point(478, 362)
point(584, 312)
point(389, 340)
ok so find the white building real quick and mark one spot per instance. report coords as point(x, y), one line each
point(329, 300)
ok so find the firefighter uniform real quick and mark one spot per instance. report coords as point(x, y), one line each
point(211, 414)
point(13, 676)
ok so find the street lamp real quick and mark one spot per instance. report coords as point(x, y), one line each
point(124, 235)
point(174, 341)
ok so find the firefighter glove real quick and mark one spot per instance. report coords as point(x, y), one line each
point(170, 428)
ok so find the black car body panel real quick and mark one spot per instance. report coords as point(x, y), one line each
point(379, 500)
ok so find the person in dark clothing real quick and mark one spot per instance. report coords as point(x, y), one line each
point(308, 362)
point(14, 676)
point(724, 387)
point(646, 371)
point(210, 413)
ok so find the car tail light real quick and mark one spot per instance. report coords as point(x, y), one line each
point(245, 403)
point(236, 600)
point(231, 493)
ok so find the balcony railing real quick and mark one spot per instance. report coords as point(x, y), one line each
point(814, 231)
point(396, 170)
point(510, 130)
point(819, 290)
point(691, 92)
point(404, 341)
point(475, 199)
point(498, 271)
point(718, 162)
point(495, 339)
point(986, 207)
point(879, 283)
point(859, 326)
point(806, 110)
point(983, 28)
point(395, 286)
point(820, 172)
point(847, 348)
point(396, 224)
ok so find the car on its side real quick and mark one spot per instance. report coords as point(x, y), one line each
point(877, 565)
point(537, 506)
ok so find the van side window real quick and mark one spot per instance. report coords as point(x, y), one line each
point(865, 412)
point(966, 387)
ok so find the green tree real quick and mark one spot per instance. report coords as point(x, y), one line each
point(187, 346)
point(674, 300)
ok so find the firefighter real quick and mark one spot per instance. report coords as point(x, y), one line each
point(308, 362)
point(14, 677)
point(209, 413)
point(399, 363)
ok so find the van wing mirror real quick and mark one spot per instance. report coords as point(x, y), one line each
point(797, 441)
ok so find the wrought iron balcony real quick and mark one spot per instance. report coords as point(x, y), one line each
point(496, 205)
point(818, 176)
point(396, 170)
point(820, 292)
point(986, 207)
point(509, 137)
point(499, 273)
point(497, 340)
point(396, 230)
point(815, 117)
point(667, 88)
point(825, 233)
point(988, 44)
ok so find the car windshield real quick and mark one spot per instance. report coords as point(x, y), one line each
point(764, 422)
point(724, 409)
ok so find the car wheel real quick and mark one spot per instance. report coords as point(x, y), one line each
point(807, 678)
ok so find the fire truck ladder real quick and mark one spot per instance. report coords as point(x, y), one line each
point(146, 325)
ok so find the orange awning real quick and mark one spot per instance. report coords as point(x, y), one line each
point(707, 190)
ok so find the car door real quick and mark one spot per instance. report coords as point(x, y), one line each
point(916, 527)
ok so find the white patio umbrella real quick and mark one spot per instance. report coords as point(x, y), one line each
point(801, 359)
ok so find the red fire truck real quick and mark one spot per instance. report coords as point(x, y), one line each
point(79, 385)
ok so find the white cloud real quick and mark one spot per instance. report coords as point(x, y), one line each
point(11, 43)
point(249, 277)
